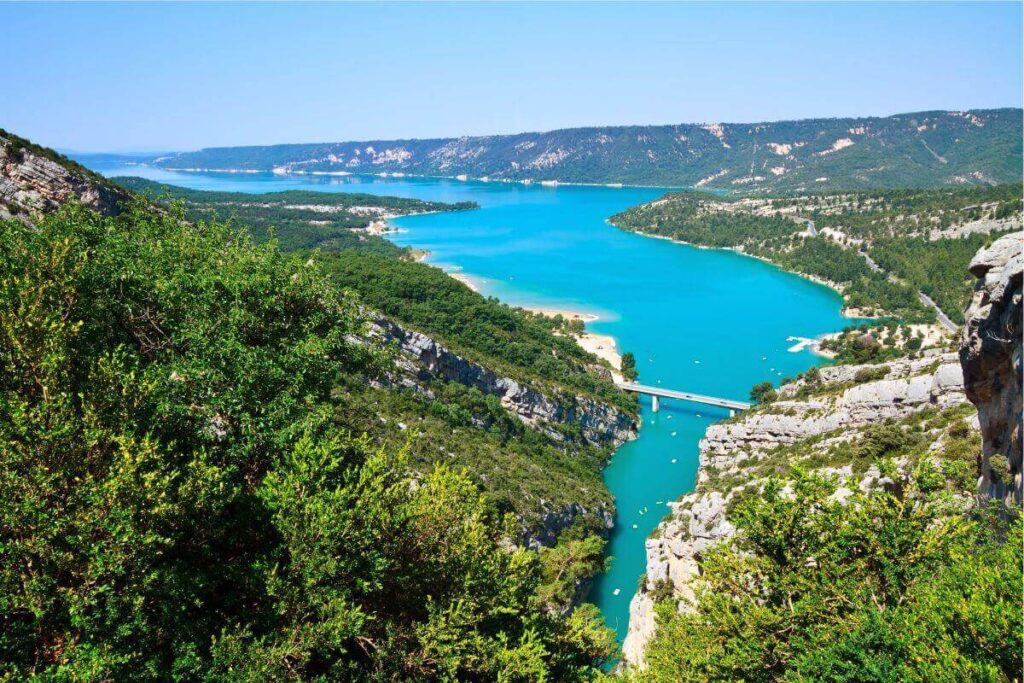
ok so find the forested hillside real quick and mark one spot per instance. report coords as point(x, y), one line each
point(180, 497)
point(922, 149)
point(299, 219)
point(222, 462)
point(880, 249)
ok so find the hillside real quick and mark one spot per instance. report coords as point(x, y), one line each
point(882, 250)
point(923, 149)
point(299, 219)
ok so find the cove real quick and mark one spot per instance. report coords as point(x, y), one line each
point(704, 321)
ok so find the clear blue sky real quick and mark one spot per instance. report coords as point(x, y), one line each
point(181, 76)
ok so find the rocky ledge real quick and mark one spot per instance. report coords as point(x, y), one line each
point(32, 183)
point(990, 350)
point(423, 358)
point(842, 400)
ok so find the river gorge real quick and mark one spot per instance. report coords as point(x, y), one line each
point(703, 321)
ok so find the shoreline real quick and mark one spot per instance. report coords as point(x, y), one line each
point(604, 346)
point(846, 311)
point(399, 175)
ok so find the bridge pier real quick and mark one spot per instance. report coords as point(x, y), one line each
point(655, 404)
point(732, 413)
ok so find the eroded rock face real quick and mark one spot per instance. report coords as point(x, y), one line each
point(31, 185)
point(990, 352)
point(599, 423)
point(423, 358)
point(908, 386)
point(699, 520)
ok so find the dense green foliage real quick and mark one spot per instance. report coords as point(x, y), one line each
point(515, 465)
point(936, 267)
point(863, 288)
point(922, 149)
point(297, 219)
point(888, 586)
point(178, 500)
point(628, 366)
point(528, 347)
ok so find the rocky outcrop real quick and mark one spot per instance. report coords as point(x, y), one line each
point(990, 351)
point(555, 519)
point(424, 358)
point(35, 181)
point(908, 386)
point(839, 404)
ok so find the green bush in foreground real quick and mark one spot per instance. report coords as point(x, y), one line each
point(177, 504)
point(893, 587)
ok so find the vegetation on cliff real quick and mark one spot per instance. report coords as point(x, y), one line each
point(297, 219)
point(531, 348)
point(881, 586)
point(178, 499)
point(854, 555)
point(517, 466)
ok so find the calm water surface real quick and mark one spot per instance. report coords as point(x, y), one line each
point(705, 321)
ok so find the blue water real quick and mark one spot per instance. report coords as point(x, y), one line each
point(705, 321)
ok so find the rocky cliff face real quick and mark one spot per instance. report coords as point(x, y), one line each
point(990, 351)
point(735, 455)
point(425, 358)
point(422, 358)
point(34, 181)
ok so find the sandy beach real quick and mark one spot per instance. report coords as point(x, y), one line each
point(466, 280)
point(564, 312)
point(601, 345)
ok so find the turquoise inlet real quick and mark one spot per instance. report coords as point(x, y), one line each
point(703, 321)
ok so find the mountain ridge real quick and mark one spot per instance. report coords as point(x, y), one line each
point(933, 148)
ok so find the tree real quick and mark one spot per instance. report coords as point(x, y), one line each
point(628, 366)
point(762, 393)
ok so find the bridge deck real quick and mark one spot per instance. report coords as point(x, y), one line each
point(683, 396)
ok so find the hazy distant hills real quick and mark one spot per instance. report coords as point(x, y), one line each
point(923, 149)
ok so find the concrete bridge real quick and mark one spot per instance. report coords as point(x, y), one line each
point(657, 393)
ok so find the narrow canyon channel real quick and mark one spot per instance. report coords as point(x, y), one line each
point(703, 321)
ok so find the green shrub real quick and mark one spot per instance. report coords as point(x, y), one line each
point(178, 502)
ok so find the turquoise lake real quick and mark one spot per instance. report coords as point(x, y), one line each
point(704, 321)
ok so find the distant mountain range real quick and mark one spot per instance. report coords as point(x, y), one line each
point(923, 149)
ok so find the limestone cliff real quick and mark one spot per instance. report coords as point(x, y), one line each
point(990, 350)
point(814, 422)
point(600, 424)
point(422, 359)
point(35, 180)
